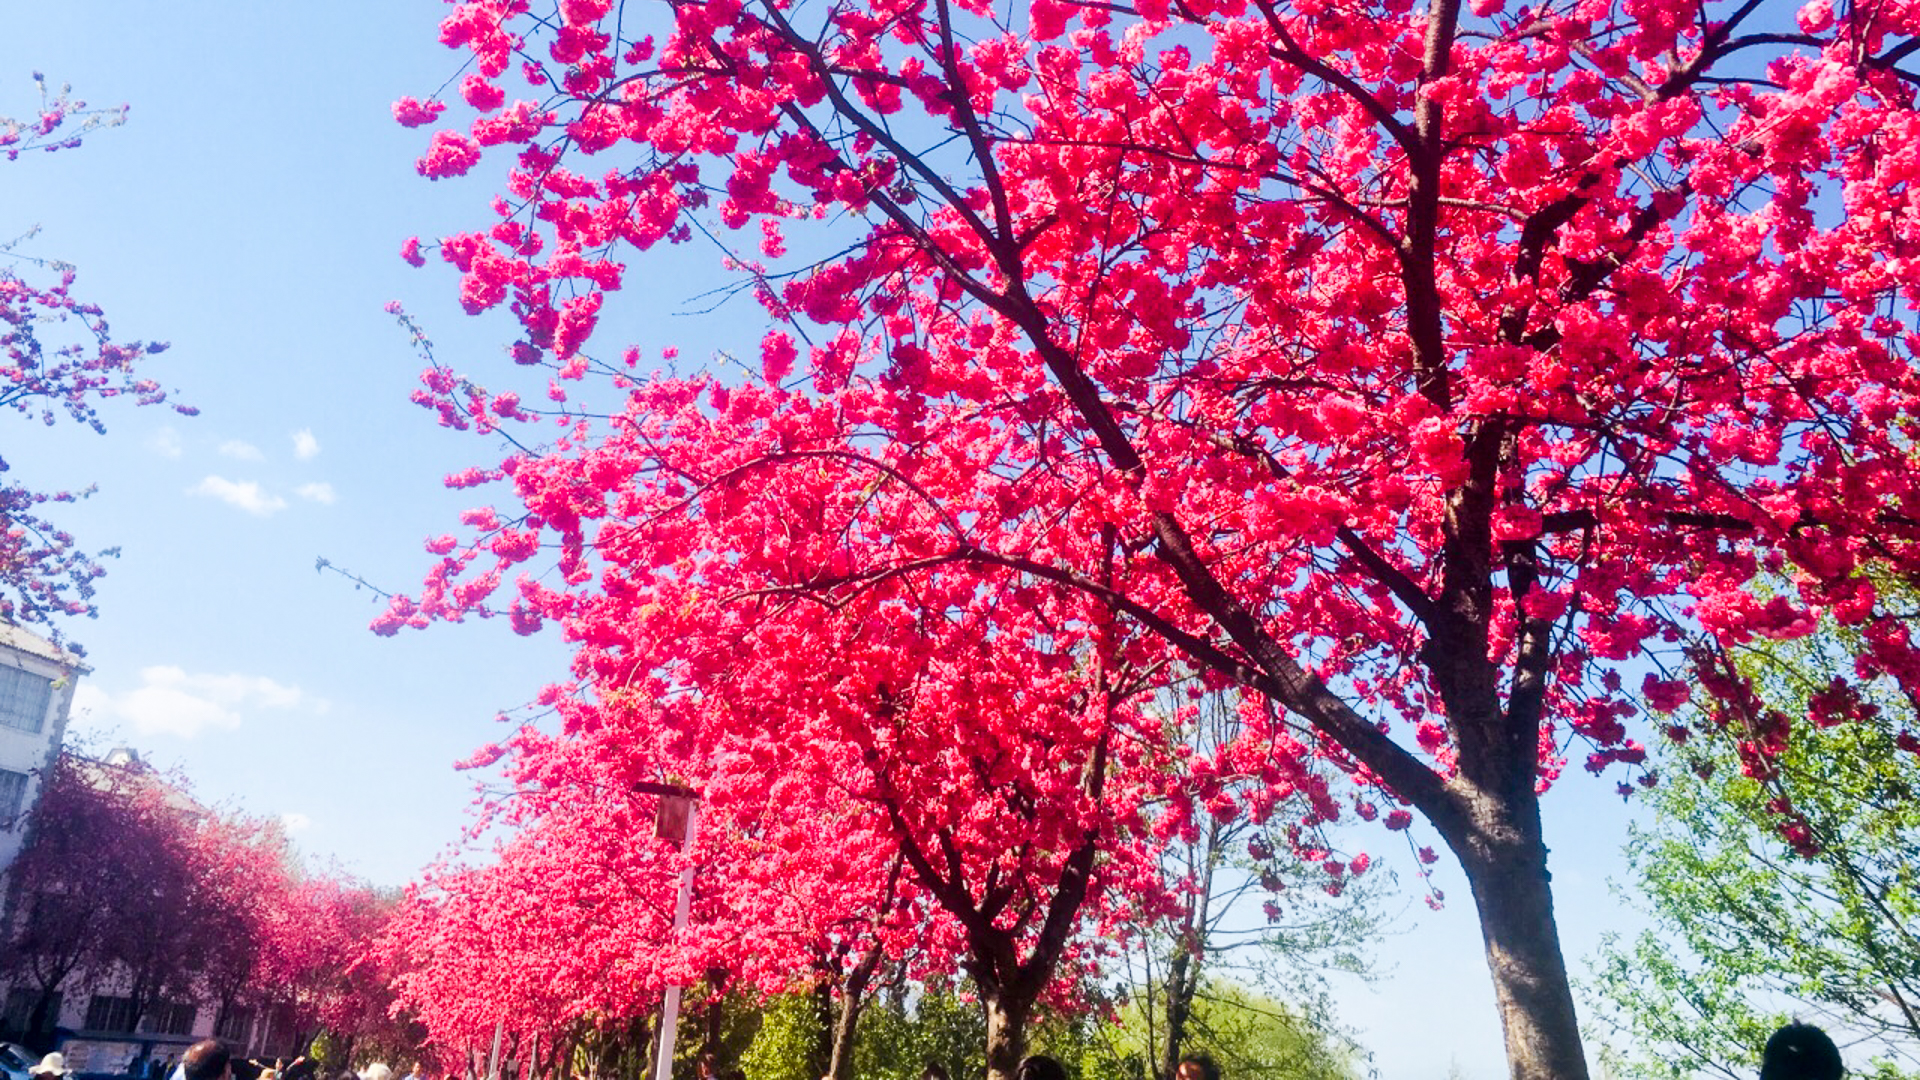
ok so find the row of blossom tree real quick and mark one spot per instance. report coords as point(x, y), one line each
point(1439, 379)
point(126, 885)
point(564, 939)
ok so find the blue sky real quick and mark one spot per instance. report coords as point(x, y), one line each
point(250, 212)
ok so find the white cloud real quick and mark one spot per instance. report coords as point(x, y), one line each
point(90, 699)
point(166, 443)
point(305, 446)
point(319, 492)
point(242, 451)
point(171, 701)
point(295, 822)
point(246, 495)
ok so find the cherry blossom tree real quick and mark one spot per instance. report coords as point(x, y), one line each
point(92, 847)
point(1413, 367)
point(107, 885)
point(125, 879)
point(43, 573)
point(885, 806)
point(288, 940)
point(345, 987)
point(537, 940)
point(805, 880)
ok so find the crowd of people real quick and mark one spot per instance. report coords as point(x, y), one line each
point(213, 1059)
point(1795, 1052)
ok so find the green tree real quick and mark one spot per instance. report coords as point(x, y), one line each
point(1252, 1037)
point(783, 1048)
point(904, 1032)
point(1777, 883)
point(901, 1031)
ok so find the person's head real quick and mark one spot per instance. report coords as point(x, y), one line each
point(376, 1071)
point(208, 1059)
point(709, 1067)
point(51, 1067)
point(1040, 1067)
point(934, 1071)
point(1801, 1052)
point(1198, 1067)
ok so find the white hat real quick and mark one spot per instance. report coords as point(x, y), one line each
point(53, 1063)
point(376, 1071)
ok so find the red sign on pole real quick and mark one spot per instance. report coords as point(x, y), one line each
point(670, 820)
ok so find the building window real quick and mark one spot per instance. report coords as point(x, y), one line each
point(24, 697)
point(168, 1018)
point(20, 1003)
point(108, 1013)
point(235, 1026)
point(13, 796)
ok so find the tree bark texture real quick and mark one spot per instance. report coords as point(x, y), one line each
point(1006, 1035)
point(1505, 859)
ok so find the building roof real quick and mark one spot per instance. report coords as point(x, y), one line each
point(26, 641)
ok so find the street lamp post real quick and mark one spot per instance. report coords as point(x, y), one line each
point(678, 818)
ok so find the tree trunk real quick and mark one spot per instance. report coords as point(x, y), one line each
point(1006, 1035)
point(822, 1057)
point(853, 998)
point(714, 1016)
point(40, 1022)
point(840, 1055)
point(650, 1029)
point(1505, 860)
point(1179, 994)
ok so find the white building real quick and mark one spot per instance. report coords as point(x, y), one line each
point(36, 692)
